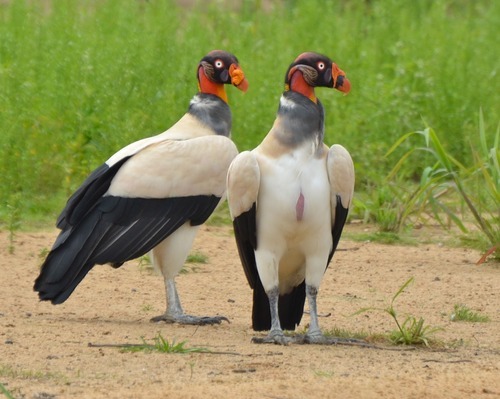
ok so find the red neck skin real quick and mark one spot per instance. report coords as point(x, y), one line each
point(206, 86)
point(299, 85)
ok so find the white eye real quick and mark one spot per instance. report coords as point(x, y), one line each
point(219, 64)
point(321, 65)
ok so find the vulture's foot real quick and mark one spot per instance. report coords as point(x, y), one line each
point(315, 337)
point(320, 339)
point(189, 320)
point(274, 337)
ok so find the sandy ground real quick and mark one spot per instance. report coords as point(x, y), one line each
point(45, 352)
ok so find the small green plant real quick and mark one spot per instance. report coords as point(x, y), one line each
point(4, 390)
point(13, 220)
point(343, 333)
point(382, 206)
point(323, 373)
point(463, 313)
point(193, 259)
point(43, 253)
point(147, 307)
point(197, 257)
point(145, 264)
point(191, 369)
point(162, 345)
point(411, 331)
point(26, 374)
point(220, 217)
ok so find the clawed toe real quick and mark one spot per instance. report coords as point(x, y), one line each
point(202, 321)
point(189, 320)
point(277, 338)
point(162, 318)
point(324, 340)
point(310, 339)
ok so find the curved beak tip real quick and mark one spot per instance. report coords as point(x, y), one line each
point(243, 86)
point(345, 87)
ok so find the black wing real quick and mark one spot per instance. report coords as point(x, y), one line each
point(338, 226)
point(87, 195)
point(114, 231)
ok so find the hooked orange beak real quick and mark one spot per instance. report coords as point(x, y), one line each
point(238, 78)
point(340, 81)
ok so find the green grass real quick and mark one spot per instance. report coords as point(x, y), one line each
point(220, 217)
point(163, 345)
point(323, 373)
point(383, 237)
point(38, 375)
point(338, 332)
point(463, 313)
point(145, 263)
point(4, 390)
point(82, 79)
point(474, 187)
point(192, 260)
point(197, 257)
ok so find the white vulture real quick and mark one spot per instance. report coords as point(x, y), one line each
point(152, 195)
point(289, 199)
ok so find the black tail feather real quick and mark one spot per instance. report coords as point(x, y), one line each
point(68, 262)
point(261, 315)
point(290, 308)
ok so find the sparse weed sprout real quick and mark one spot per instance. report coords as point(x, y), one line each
point(197, 257)
point(463, 313)
point(411, 331)
point(162, 345)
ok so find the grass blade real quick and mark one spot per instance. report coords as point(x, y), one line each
point(402, 288)
point(4, 390)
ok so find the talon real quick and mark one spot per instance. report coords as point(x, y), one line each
point(162, 318)
point(277, 338)
point(189, 320)
point(213, 320)
point(317, 338)
point(314, 337)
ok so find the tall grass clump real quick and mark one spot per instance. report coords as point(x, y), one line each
point(451, 191)
point(81, 79)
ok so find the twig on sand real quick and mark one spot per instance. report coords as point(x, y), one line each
point(301, 339)
point(127, 345)
point(207, 351)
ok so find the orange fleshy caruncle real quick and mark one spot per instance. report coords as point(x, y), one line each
point(238, 77)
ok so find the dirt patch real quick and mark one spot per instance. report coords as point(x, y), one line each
point(44, 351)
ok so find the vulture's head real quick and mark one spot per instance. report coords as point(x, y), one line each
point(218, 68)
point(315, 70)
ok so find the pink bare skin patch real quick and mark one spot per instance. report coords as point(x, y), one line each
point(299, 207)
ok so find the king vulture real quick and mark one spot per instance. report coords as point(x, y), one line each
point(152, 195)
point(289, 200)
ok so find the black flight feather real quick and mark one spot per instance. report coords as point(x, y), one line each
point(88, 194)
point(338, 226)
point(115, 231)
